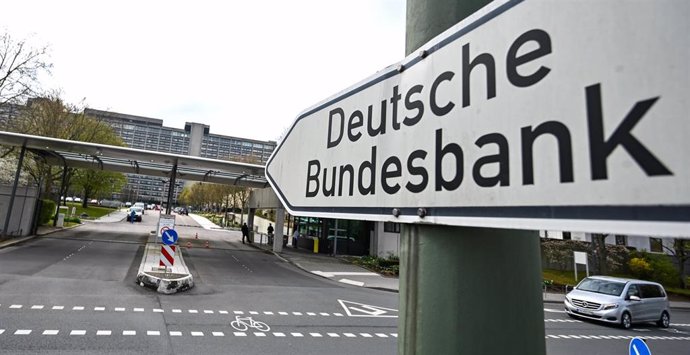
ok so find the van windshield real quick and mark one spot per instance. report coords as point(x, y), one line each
point(606, 287)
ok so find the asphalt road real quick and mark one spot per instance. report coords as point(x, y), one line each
point(73, 292)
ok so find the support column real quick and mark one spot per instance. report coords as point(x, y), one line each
point(62, 186)
point(460, 286)
point(10, 206)
point(278, 238)
point(250, 222)
point(171, 188)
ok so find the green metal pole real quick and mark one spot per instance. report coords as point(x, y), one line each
point(466, 290)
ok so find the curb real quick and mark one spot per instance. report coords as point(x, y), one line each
point(13, 241)
point(327, 278)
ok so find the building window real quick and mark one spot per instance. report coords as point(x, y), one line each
point(621, 240)
point(567, 236)
point(655, 245)
point(391, 227)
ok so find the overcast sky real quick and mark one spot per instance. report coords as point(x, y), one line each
point(246, 68)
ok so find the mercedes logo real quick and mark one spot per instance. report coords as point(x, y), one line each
point(584, 304)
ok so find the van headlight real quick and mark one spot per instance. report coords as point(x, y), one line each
point(610, 306)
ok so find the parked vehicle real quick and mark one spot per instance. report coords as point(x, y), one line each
point(619, 301)
point(140, 205)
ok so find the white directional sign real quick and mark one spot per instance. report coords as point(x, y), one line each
point(165, 222)
point(529, 114)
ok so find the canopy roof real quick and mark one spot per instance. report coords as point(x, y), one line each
point(137, 161)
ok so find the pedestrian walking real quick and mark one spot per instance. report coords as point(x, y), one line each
point(295, 236)
point(245, 232)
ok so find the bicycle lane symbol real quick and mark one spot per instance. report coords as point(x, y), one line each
point(242, 324)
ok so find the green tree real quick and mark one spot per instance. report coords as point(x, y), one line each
point(93, 183)
point(681, 252)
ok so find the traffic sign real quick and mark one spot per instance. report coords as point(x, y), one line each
point(528, 114)
point(167, 256)
point(165, 222)
point(639, 347)
point(169, 237)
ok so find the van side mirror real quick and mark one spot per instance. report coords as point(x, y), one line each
point(633, 298)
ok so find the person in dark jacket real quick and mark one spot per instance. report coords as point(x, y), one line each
point(245, 232)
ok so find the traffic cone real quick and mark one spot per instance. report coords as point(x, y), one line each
point(189, 245)
point(206, 245)
point(196, 236)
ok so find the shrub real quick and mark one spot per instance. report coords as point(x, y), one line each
point(661, 268)
point(47, 211)
point(640, 268)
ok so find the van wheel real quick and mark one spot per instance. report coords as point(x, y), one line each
point(664, 321)
point(626, 320)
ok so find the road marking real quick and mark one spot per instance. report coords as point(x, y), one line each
point(334, 335)
point(77, 308)
point(58, 308)
point(279, 335)
point(349, 335)
point(268, 313)
point(223, 312)
point(197, 334)
point(78, 332)
point(175, 334)
point(104, 332)
point(316, 335)
point(238, 312)
point(51, 332)
point(297, 335)
point(99, 309)
point(138, 310)
point(366, 335)
point(311, 313)
point(218, 334)
point(22, 332)
point(562, 321)
point(381, 335)
point(206, 311)
point(394, 335)
point(610, 337)
point(16, 306)
point(158, 310)
point(259, 334)
point(153, 332)
point(129, 332)
point(253, 312)
point(240, 334)
point(355, 309)
point(343, 273)
point(325, 314)
point(553, 310)
point(193, 311)
point(177, 311)
point(37, 306)
point(283, 313)
point(338, 314)
point(119, 309)
point(352, 282)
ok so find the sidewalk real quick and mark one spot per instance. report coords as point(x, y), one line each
point(333, 268)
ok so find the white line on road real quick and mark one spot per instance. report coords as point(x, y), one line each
point(37, 306)
point(158, 310)
point(22, 332)
point(197, 334)
point(16, 306)
point(153, 332)
point(58, 308)
point(99, 309)
point(175, 334)
point(104, 332)
point(77, 308)
point(218, 334)
point(240, 334)
point(553, 310)
point(138, 310)
point(129, 332)
point(351, 282)
point(78, 332)
point(51, 332)
point(119, 309)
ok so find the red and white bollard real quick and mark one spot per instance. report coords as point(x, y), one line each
point(196, 235)
point(189, 245)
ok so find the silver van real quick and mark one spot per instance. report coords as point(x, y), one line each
point(619, 301)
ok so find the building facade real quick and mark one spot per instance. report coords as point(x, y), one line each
point(194, 139)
